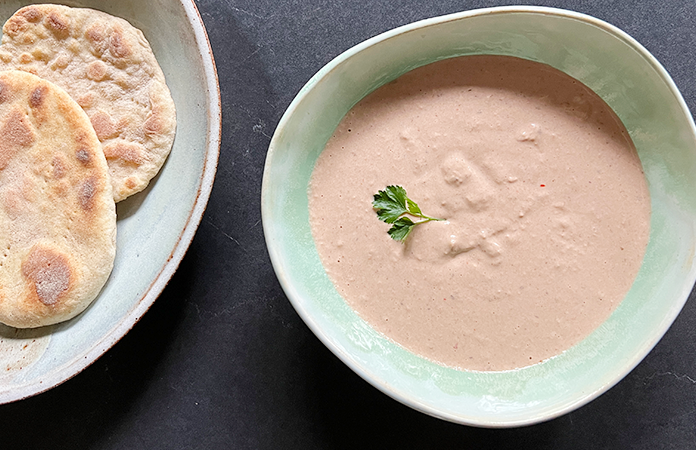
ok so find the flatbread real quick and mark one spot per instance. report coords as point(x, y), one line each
point(107, 65)
point(57, 213)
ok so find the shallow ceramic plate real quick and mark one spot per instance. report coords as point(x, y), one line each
point(155, 227)
point(610, 62)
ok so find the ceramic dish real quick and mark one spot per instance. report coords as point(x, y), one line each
point(610, 62)
point(155, 227)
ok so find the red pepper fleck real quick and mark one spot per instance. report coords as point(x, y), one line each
point(543, 185)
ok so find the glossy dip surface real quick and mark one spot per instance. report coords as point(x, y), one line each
point(546, 205)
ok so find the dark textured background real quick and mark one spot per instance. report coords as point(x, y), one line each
point(223, 361)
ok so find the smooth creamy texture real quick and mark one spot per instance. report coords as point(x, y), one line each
point(546, 204)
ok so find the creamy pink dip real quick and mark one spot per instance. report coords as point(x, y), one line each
point(546, 204)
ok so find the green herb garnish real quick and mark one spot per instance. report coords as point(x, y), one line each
point(392, 205)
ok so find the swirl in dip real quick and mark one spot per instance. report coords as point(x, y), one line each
point(546, 204)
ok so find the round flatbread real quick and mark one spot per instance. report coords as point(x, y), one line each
point(108, 67)
point(57, 213)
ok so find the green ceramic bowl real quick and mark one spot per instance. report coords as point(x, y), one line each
point(155, 226)
point(607, 60)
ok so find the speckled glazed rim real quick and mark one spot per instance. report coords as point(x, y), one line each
point(479, 398)
point(205, 183)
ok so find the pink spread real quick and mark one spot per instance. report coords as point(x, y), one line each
point(546, 204)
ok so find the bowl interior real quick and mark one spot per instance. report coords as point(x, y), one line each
point(627, 77)
point(154, 226)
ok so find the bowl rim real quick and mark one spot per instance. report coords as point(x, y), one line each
point(400, 395)
point(206, 178)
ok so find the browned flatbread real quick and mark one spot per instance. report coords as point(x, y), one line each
point(107, 65)
point(57, 213)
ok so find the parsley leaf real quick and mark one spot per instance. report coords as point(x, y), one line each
point(390, 203)
point(401, 229)
point(391, 206)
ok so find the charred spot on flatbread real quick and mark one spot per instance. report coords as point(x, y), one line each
point(37, 96)
point(31, 14)
point(125, 152)
point(49, 273)
point(4, 92)
point(58, 167)
point(17, 133)
point(82, 155)
point(58, 24)
point(85, 193)
point(118, 45)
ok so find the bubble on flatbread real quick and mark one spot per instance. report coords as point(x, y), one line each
point(125, 153)
point(104, 125)
point(97, 70)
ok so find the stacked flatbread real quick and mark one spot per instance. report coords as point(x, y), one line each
point(86, 120)
point(108, 67)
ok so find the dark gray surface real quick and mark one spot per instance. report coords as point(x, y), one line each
point(223, 361)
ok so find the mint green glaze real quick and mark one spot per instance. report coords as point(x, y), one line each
point(630, 80)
